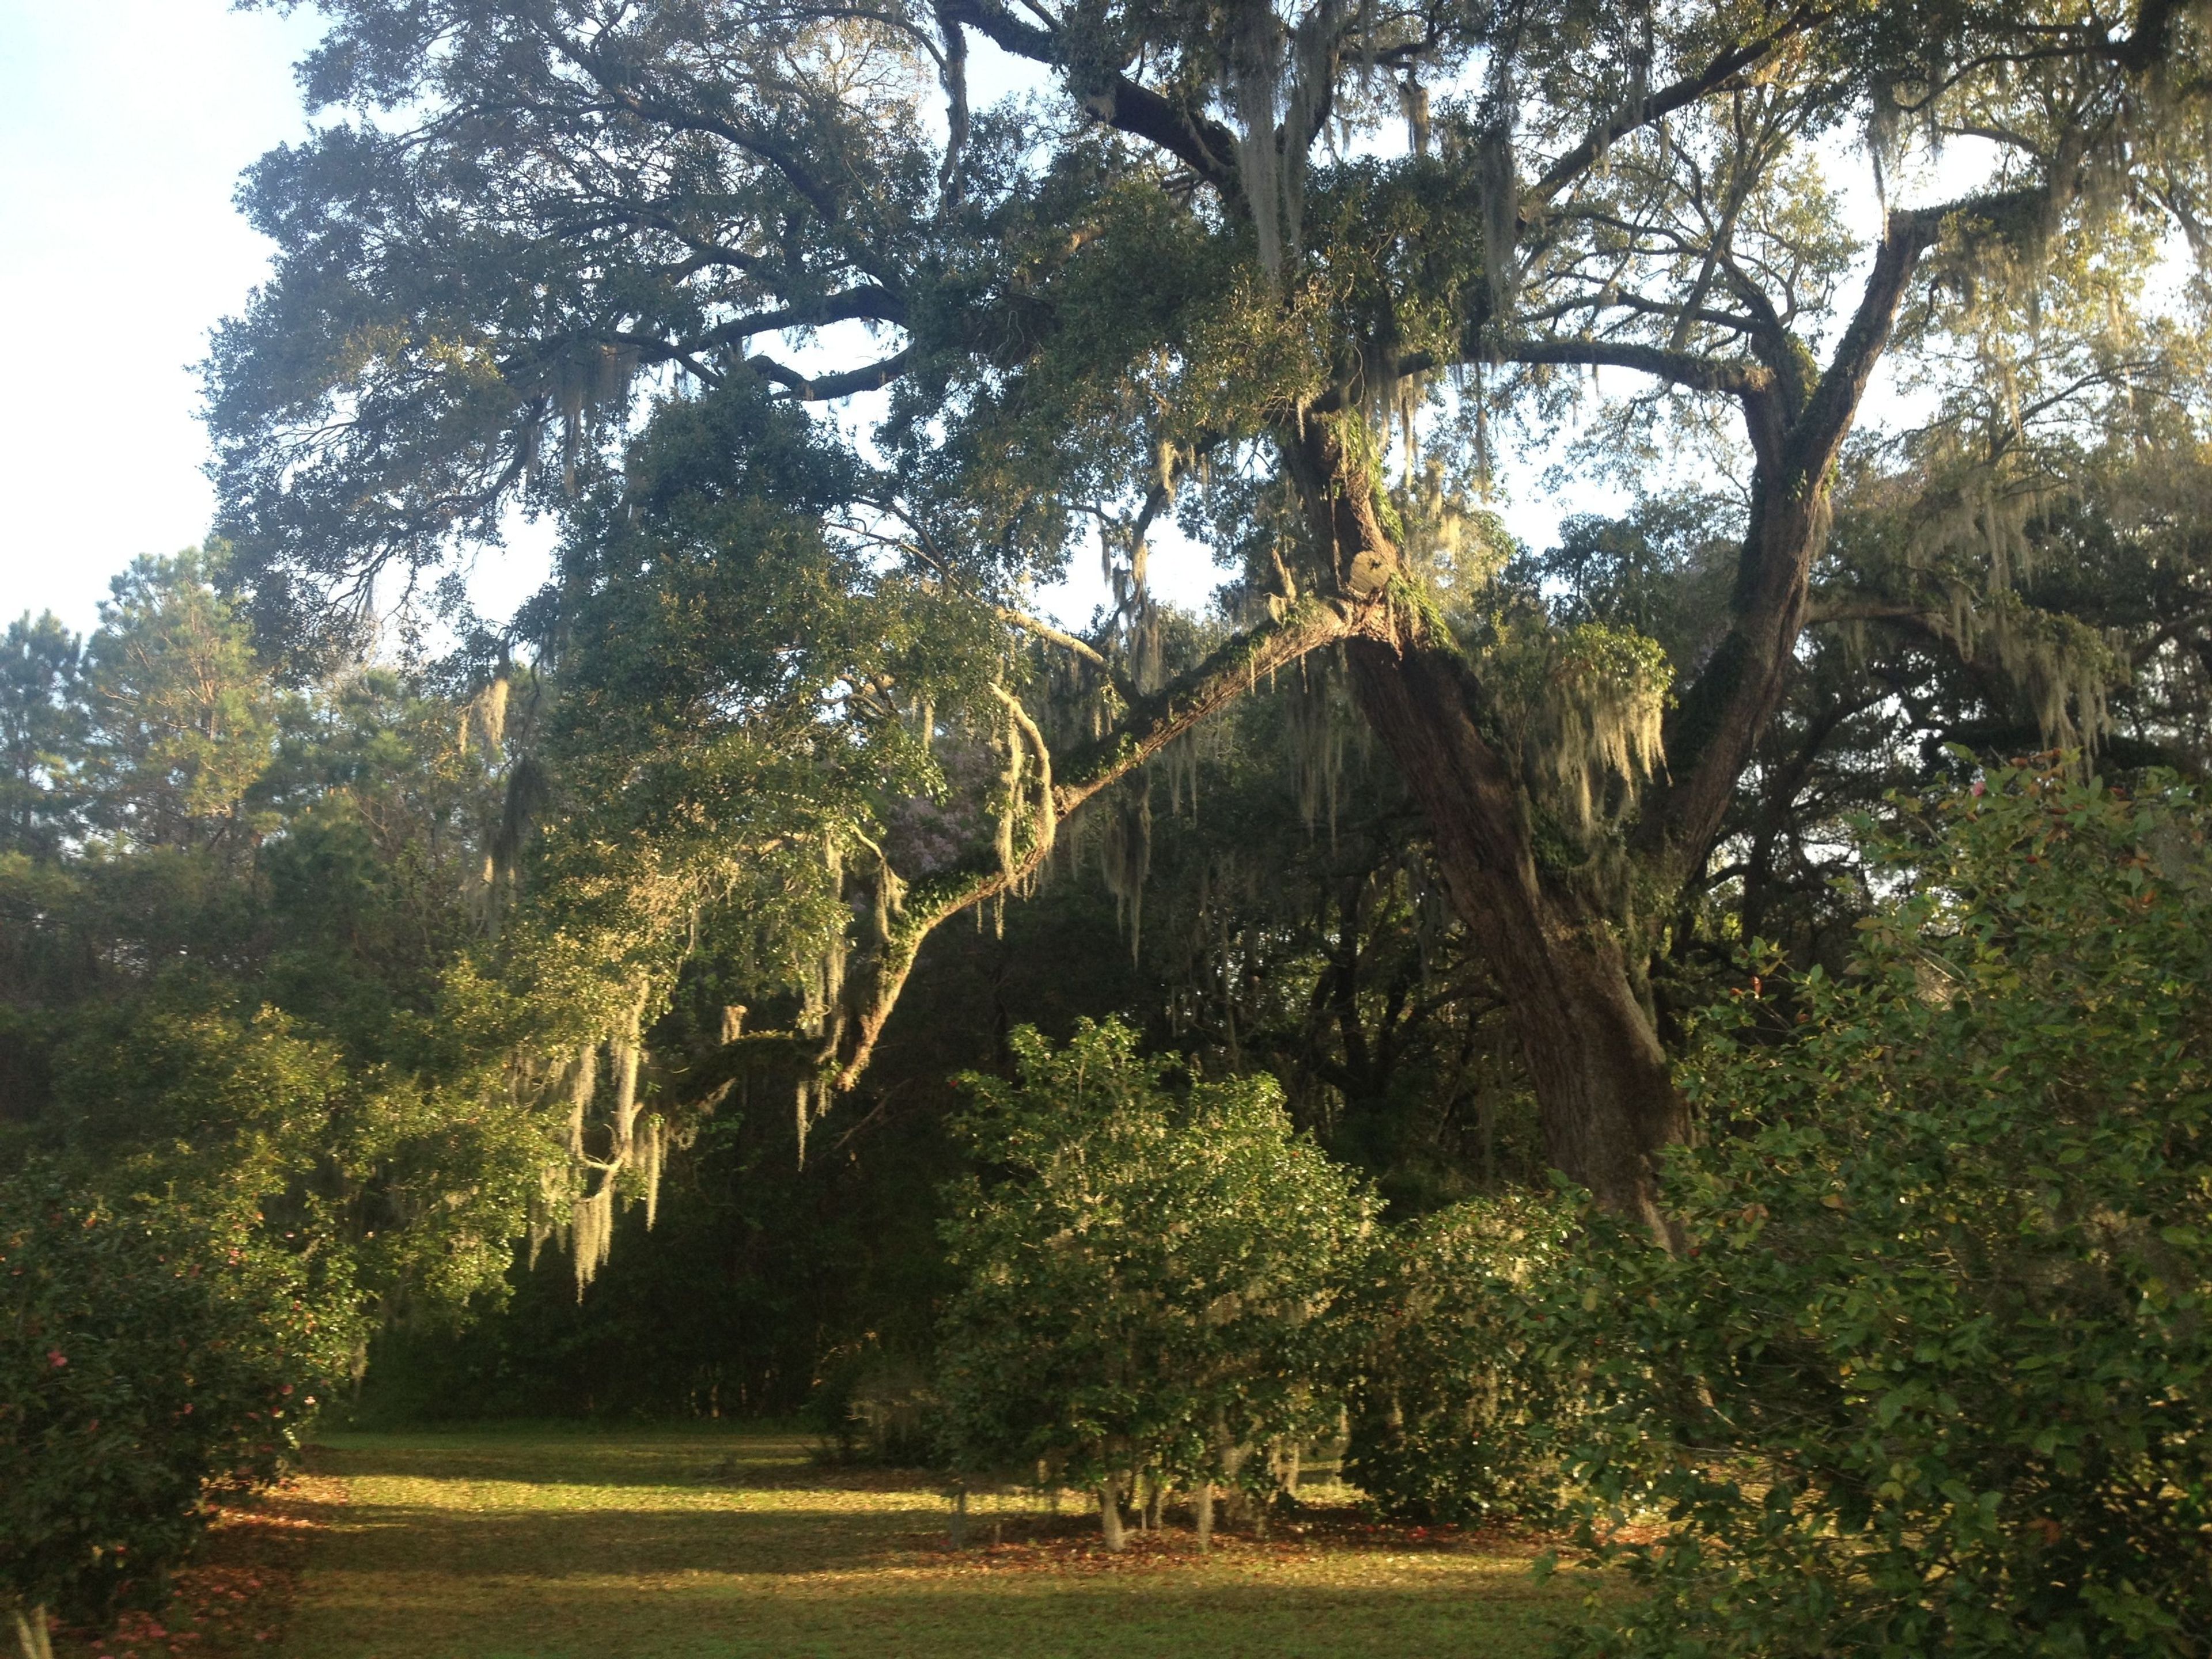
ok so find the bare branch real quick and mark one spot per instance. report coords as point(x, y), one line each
point(872, 377)
point(869, 302)
point(1067, 642)
point(1682, 368)
point(1716, 74)
point(1199, 142)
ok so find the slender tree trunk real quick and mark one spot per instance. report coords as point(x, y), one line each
point(31, 1635)
point(1236, 1500)
point(1202, 1503)
point(1109, 1514)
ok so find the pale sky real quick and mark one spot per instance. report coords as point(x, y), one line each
point(124, 125)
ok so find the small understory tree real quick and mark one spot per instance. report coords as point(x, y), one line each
point(149, 1360)
point(1461, 1405)
point(1148, 1277)
point(1931, 1374)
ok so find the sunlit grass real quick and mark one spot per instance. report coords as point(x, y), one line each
point(542, 1545)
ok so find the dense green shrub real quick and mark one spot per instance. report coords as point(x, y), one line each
point(1148, 1275)
point(1929, 1372)
point(1458, 1401)
point(147, 1361)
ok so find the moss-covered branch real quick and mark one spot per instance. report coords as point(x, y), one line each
point(1150, 725)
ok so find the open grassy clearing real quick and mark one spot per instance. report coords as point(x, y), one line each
point(540, 1546)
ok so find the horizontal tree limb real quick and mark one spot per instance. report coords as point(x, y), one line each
point(1733, 377)
point(870, 377)
point(871, 301)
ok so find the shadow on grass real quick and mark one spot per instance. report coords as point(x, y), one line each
point(551, 1544)
point(762, 1462)
point(706, 1615)
point(550, 1548)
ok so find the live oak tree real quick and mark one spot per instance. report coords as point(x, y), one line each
point(1297, 276)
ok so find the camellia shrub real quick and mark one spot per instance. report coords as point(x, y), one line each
point(1149, 1276)
point(1459, 1402)
point(149, 1363)
point(1928, 1373)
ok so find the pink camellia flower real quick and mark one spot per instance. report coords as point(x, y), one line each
point(57, 1357)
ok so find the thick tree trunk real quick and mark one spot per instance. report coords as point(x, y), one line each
point(1606, 1102)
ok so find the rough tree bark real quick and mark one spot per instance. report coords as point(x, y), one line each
point(1605, 1097)
point(1607, 1102)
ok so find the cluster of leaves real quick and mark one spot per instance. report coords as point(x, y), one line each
point(238, 956)
point(1927, 1370)
point(244, 1023)
point(150, 1355)
point(1461, 1411)
point(746, 700)
point(1148, 1279)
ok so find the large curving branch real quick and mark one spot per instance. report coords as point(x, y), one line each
point(814, 389)
point(1718, 721)
point(1734, 378)
point(1150, 724)
point(1819, 429)
point(869, 302)
point(1199, 142)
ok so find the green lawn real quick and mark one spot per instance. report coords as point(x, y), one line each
point(542, 1545)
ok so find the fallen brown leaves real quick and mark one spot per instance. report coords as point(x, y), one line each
point(234, 1598)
